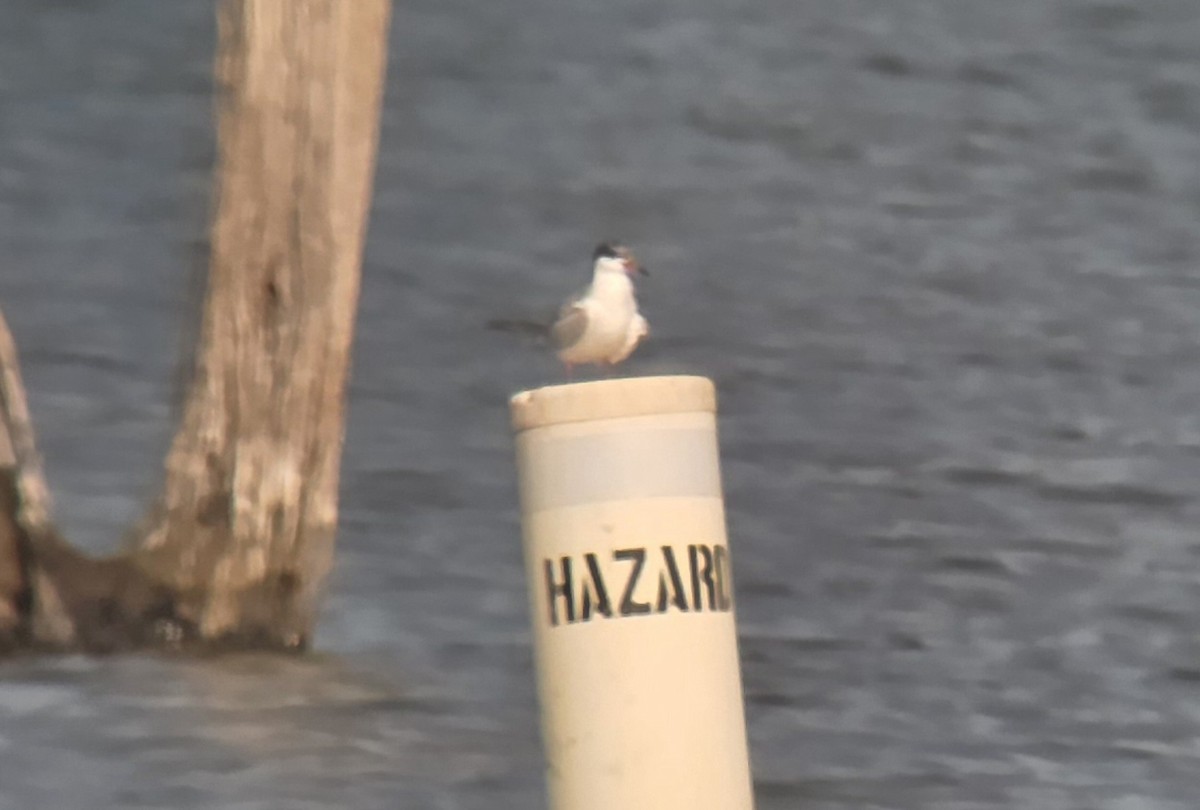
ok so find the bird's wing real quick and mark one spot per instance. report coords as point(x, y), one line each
point(638, 329)
point(571, 324)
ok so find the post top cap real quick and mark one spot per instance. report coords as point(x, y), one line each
point(611, 399)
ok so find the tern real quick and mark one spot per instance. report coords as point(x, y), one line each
point(601, 324)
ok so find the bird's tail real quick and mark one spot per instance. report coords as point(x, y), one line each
point(519, 326)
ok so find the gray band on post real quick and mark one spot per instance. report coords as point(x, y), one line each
point(618, 464)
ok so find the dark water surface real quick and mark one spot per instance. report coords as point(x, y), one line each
point(940, 257)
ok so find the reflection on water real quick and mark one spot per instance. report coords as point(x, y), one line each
point(938, 255)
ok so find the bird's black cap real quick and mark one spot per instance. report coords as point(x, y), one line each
point(606, 250)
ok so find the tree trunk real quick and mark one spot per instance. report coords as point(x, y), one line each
point(239, 545)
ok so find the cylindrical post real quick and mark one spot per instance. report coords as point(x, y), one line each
point(631, 595)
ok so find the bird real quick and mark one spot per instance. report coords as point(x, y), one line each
point(601, 324)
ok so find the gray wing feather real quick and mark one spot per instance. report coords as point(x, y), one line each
point(569, 328)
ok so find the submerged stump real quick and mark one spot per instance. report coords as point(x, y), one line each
point(237, 548)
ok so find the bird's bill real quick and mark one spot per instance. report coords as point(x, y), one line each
point(632, 265)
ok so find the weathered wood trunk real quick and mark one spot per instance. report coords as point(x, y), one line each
point(14, 588)
point(238, 546)
point(245, 529)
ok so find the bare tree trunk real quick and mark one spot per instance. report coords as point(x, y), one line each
point(14, 569)
point(239, 545)
point(244, 532)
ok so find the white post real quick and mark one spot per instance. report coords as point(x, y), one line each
point(631, 595)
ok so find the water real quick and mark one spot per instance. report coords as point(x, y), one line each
point(939, 256)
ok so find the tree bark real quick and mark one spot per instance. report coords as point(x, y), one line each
point(237, 548)
point(244, 531)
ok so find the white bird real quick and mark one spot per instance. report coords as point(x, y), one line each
point(601, 324)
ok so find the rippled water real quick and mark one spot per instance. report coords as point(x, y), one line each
point(939, 256)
